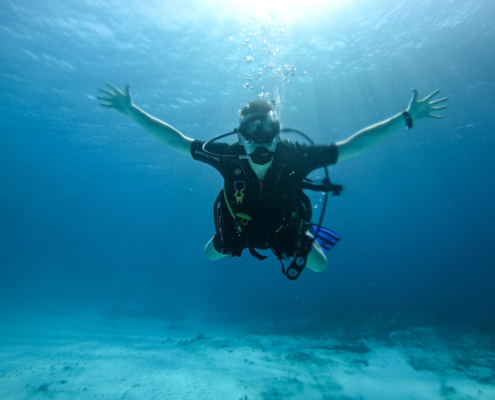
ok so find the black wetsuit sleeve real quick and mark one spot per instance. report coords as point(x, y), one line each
point(318, 156)
point(210, 158)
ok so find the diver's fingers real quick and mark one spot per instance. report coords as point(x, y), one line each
point(106, 105)
point(103, 98)
point(435, 116)
point(438, 108)
point(415, 96)
point(431, 95)
point(107, 92)
point(114, 88)
point(438, 101)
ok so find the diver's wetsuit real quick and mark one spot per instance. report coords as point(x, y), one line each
point(273, 213)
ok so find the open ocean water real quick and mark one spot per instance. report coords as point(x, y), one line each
point(104, 288)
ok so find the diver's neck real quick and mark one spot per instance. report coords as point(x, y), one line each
point(260, 170)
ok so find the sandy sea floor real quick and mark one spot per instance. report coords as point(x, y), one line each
point(97, 356)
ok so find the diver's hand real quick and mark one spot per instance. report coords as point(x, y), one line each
point(421, 109)
point(116, 99)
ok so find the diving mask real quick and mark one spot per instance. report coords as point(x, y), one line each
point(259, 128)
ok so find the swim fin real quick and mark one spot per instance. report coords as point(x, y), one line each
point(325, 237)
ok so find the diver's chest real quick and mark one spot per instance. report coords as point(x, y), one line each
point(272, 190)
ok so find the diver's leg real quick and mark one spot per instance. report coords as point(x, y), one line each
point(316, 261)
point(211, 253)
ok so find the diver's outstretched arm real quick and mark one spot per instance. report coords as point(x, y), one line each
point(114, 98)
point(371, 136)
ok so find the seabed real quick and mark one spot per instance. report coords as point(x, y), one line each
point(111, 355)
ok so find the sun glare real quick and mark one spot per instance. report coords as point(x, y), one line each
point(292, 9)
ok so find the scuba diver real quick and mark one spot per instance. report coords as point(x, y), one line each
point(262, 204)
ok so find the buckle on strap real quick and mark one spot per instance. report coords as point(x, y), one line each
point(244, 218)
point(239, 187)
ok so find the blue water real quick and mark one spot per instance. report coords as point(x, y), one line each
point(95, 213)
